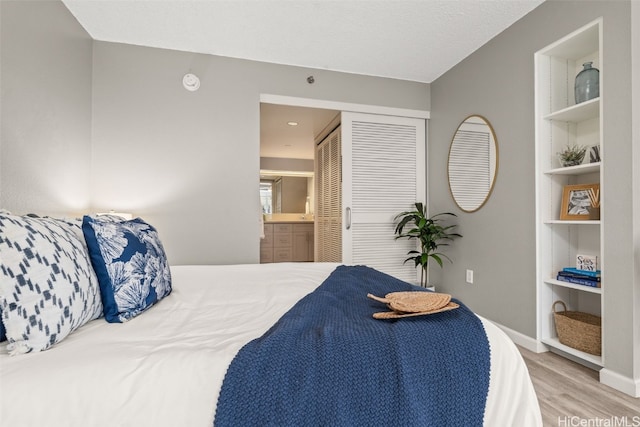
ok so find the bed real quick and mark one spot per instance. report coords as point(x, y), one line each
point(166, 366)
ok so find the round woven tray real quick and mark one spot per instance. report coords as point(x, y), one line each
point(413, 302)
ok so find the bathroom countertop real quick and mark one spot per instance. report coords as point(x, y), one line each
point(292, 221)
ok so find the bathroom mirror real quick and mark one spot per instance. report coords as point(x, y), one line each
point(473, 163)
point(286, 192)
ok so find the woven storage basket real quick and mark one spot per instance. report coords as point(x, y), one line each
point(582, 331)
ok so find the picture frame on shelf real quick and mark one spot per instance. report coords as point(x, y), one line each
point(580, 201)
point(594, 154)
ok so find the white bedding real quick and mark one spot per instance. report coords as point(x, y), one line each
point(165, 367)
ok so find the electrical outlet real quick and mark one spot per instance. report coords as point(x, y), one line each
point(469, 276)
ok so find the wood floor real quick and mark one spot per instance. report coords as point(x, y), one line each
point(571, 395)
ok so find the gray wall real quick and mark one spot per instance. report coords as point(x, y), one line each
point(497, 81)
point(189, 162)
point(281, 164)
point(635, 75)
point(45, 83)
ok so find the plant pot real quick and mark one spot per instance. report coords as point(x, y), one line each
point(567, 163)
point(574, 161)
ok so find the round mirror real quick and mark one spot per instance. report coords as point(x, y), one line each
point(473, 163)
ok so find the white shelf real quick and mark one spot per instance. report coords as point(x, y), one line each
point(572, 222)
point(591, 358)
point(574, 286)
point(577, 113)
point(576, 170)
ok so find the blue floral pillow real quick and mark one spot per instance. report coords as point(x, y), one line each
point(47, 286)
point(130, 263)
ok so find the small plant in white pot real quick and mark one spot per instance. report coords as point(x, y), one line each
point(429, 232)
point(572, 155)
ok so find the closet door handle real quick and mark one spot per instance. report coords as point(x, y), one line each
point(348, 215)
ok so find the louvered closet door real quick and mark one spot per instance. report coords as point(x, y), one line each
point(383, 174)
point(328, 217)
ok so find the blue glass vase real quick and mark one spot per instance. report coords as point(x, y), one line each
point(587, 84)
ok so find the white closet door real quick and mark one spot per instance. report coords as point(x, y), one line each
point(383, 174)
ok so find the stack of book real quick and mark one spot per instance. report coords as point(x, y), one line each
point(580, 277)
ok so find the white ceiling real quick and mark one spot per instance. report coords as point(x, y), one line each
point(279, 139)
point(415, 40)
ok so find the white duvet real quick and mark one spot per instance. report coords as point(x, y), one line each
point(165, 367)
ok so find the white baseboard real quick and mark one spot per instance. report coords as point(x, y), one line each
point(523, 340)
point(620, 382)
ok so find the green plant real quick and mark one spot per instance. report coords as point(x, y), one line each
point(572, 155)
point(429, 232)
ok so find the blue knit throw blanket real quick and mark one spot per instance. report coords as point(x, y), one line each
point(327, 362)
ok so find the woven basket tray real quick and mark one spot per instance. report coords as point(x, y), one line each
point(413, 302)
point(582, 331)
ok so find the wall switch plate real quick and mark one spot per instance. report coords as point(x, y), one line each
point(469, 276)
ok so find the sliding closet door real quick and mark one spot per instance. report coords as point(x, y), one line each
point(383, 174)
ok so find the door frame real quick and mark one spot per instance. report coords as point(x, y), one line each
point(343, 106)
point(293, 101)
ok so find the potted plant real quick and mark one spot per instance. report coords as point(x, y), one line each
point(572, 155)
point(429, 232)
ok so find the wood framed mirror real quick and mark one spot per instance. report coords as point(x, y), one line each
point(473, 163)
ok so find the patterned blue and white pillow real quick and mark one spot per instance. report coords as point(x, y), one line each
point(3, 332)
point(130, 263)
point(47, 286)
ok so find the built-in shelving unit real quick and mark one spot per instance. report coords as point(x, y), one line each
point(561, 122)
